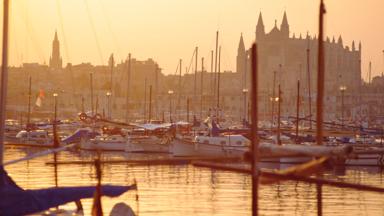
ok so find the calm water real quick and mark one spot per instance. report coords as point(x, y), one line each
point(186, 190)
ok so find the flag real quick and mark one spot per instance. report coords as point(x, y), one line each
point(40, 97)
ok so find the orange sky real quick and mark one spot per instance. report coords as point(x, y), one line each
point(166, 30)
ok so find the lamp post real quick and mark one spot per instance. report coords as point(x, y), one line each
point(108, 94)
point(245, 91)
point(342, 90)
point(170, 92)
point(55, 138)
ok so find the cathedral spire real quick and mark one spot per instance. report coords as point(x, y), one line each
point(241, 47)
point(284, 26)
point(260, 21)
point(353, 46)
point(340, 40)
point(260, 30)
point(55, 61)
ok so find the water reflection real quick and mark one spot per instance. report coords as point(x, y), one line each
point(187, 190)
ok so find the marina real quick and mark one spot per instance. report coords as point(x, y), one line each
point(296, 129)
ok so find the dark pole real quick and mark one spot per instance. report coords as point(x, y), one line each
point(29, 103)
point(245, 103)
point(255, 141)
point(201, 88)
point(91, 84)
point(309, 88)
point(342, 107)
point(54, 125)
point(150, 104)
point(320, 96)
point(218, 88)
point(212, 74)
point(4, 79)
point(278, 115)
point(297, 110)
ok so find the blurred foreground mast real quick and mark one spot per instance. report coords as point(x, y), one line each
point(255, 142)
point(4, 78)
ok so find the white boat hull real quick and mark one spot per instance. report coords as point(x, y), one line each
point(185, 148)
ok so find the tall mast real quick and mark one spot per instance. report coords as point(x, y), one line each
point(218, 88)
point(128, 88)
point(320, 79)
point(156, 90)
point(4, 79)
point(212, 74)
point(112, 62)
point(179, 95)
point(309, 88)
point(29, 103)
point(215, 76)
point(195, 83)
point(150, 104)
point(201, 88)
point(91, 84)
point(297, 110)
point(145, 99)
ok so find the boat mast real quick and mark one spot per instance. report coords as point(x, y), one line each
point(145, 99)
point(91, 83)
point(150, 104)
point(4, 79)
point(297, 110)
point(128, 88)
point(179, 95)
point(218, 88)
point(29, 103)
point(112, 62)
point(195, 83)
point(309, 87)
point(201, 87)
point(214, 79)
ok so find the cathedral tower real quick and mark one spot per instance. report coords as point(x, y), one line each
point(284, 28)
point(55, 60)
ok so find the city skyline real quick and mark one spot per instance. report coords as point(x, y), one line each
point(101, 32)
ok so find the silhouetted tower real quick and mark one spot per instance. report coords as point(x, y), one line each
point(284, 28)
point(241, 57)
point(55, 60)
point(260, 30)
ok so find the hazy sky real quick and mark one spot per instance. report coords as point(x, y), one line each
point(167, 30)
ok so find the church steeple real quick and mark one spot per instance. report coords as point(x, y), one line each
point(241, 56)
point(55, 60)
point(241, 47)
point(260, 30)
point(284, 28)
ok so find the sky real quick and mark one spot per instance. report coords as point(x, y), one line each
point(167, 30)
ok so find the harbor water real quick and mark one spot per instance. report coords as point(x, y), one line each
point(188, 190)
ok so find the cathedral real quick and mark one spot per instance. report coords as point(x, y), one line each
point(55, 61)
point(286, 58)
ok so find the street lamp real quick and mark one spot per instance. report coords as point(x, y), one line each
point(170, 92)
point(108, 94)
point(55, 138)
point(342, 90)
point(245, 91)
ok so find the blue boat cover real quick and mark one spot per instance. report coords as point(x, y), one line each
point(78, 134)
point(17, 201)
